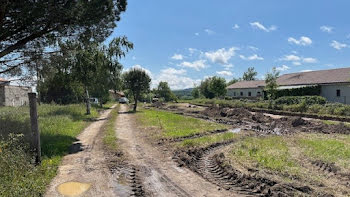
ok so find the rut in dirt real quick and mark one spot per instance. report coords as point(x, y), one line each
point(158, 173)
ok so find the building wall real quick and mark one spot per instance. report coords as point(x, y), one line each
point(2, 96)
point(330, 93)
point(16, 96)
point(236, 93)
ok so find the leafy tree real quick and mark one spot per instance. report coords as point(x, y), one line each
point(28, 27)
point(250, 74)
point(163, 91)
point(196, 93)
point(213, 87)
point(205, 89)
point(233, 81)
point(217, 85)
point(138, 82)
point(271, 84)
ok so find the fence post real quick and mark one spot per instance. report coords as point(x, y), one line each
point(35, 127)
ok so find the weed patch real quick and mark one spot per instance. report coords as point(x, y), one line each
point(110, 139)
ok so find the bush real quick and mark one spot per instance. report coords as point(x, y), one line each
point(291, 100)
point(316, 108)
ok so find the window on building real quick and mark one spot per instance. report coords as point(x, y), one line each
point(234, 93)
point(241, 93)
point(249, 94)
point(338, 92)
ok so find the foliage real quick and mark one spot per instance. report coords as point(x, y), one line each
point(163, 91)
point(250, 74)
point(174, 125)
point(303, 91)
point(138, 82)
point(27, 27)
point(310, 100)
point(196, 93)
point(213, 87)
point(271, 84)
point(233, 81)
point(59, 125)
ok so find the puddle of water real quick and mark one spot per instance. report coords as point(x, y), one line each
point(236, 130)
point(72, 189)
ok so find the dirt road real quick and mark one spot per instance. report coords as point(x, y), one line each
point(158, 173)
point(84, 171)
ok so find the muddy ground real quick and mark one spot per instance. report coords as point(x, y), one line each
point(211, 164)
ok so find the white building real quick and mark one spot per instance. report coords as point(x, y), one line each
point(334, 83)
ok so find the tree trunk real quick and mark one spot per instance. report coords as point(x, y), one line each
point(88, 105)
point(135, 105)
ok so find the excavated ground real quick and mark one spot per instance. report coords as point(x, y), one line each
point(211, 164)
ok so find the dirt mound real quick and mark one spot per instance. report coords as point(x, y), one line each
point(158, 104)
point(227, 112)
point(340, 128)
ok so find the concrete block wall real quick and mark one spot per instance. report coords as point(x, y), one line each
point(16, 96)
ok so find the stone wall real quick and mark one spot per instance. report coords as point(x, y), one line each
point(16, 95)
point(2, 95)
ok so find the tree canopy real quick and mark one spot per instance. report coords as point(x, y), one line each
point(213, 87)
point(137, 82)
point(163, 91)
point(250, 74)
point(271, 83)
point(31, 29)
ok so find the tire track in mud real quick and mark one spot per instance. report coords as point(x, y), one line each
point(209, 163)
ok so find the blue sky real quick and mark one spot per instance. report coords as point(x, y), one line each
point(185, 41)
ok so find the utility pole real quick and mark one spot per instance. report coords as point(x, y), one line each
point(34, 127)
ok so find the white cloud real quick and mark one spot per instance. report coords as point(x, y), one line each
point(251, 58)
point(296, 59)
point(177, 57)
point(176, 79)
point(196, 34)
point(236, 26)
point(221, 56)
point(290, 58)
point(282, 68)
point(228, 66)
point(303, 71)
point(133, 58)
point(258, 25)
point(197, 65)
point(138, 66)
point(224, 73)
point(209, 31)
point(337, 45)
point(327, 29)
point(309, 60)
point(253, 48)
point(303, 41)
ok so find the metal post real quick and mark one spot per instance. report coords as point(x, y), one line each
point(35, 127)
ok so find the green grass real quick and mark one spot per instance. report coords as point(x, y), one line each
point(327, 148)
point(207, 140)
point(174, 125)
point(59, 125)
point(267, 152)
point(110, 138)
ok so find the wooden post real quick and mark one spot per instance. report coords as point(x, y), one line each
point(35, 127)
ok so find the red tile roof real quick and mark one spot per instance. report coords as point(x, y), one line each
point(340, 75)
point(247, 84)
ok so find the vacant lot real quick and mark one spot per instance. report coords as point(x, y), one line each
point(59, 125)
point(282, 156)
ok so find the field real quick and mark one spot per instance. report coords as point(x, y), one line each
point(59, 125)
point(279, 156)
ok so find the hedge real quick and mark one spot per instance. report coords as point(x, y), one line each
point(293, 100)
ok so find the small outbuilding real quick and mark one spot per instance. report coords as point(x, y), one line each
point(14, 96)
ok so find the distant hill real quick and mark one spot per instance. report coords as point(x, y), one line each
point(184, 92)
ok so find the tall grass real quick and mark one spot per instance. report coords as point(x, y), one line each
point(174, 125)
point(110, 138)
point(59, 125)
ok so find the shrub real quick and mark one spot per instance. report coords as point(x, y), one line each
point(310, 100)
point(316, 108)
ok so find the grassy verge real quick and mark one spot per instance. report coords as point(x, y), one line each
point(110, 138)
point(59, 125)
point(207, 140)
point(267, 152)
point(173, 125)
